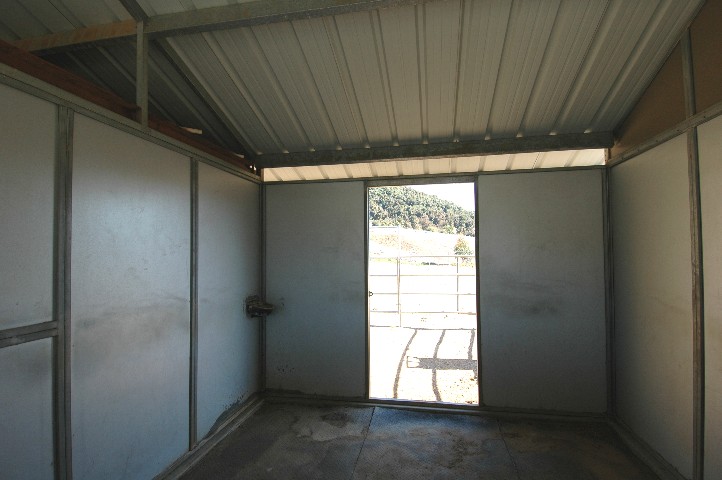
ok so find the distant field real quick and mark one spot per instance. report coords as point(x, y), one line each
point(386, 241)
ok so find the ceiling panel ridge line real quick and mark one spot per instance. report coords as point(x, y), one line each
point(578, 141)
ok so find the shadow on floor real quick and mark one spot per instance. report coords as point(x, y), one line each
point(285, 441)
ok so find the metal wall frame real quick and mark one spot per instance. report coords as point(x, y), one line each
point(59, 328)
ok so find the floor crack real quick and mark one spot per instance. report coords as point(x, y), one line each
point(363, 443)
point(508, 452)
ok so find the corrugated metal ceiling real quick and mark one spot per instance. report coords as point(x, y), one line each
point(434, 72)
point(438, 166)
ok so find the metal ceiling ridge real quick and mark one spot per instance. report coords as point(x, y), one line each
point(541, 143)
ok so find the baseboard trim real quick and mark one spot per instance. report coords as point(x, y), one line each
point(655, 461)
point(280, 396)
point(192, 457)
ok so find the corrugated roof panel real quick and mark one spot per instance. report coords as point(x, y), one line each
point(241, 55)
point(87, 13)
point(441, 36)
point(529, 30)
point(319, 41)
point(309, 173)
point(524, 161)
point(484, 31)
point(412, 167)
point(664, 28)
point(296, 86)
point(161, 7)
point(333, 171)
point(555, 159)
point(170, 96)
point(34, 18)
point(399, 34)
point(469, 164)
point(496, 162)
point(360, 170)
point(357, 32)
point(21, 23)
point(387, 169)
point(438, 166)
point(586, 158)
point(618, 34)
point(569, 42)
point(434, 72)
point(224, 85)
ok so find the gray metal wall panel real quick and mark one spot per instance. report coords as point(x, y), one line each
point(228, 271)
point(130, 304)
point(26, 411)
point(710, 159)
point(27, 172)
point(315, 274)
point(541, 270)
point(653, 299)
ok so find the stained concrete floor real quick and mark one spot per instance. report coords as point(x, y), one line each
point(287, 441)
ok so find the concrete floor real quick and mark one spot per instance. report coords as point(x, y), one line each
point(286, 441)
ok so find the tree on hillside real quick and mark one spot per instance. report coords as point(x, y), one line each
point(409, 208)
point(462, 248)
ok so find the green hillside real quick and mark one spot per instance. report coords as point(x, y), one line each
point(406, 207)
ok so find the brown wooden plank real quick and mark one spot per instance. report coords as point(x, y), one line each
point(37, 67)
point(79, 36)
point(174, 131)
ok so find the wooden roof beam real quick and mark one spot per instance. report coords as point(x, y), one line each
point(80, 36)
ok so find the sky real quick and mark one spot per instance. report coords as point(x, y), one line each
point(461, 194)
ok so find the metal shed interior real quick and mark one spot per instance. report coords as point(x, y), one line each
point(162, 160)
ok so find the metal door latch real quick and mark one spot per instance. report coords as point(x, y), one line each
point(256, 308)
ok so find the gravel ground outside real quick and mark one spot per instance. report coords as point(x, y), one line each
point(429, 356)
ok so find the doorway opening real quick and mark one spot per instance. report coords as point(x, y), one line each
point(422, 293)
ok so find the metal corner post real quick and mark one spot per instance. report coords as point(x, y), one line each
point(609, 292)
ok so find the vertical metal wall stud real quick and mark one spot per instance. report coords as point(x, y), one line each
point(193, 373)
point(61, 292)
point(698, 373)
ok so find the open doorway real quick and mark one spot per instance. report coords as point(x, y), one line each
point(422, 293)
